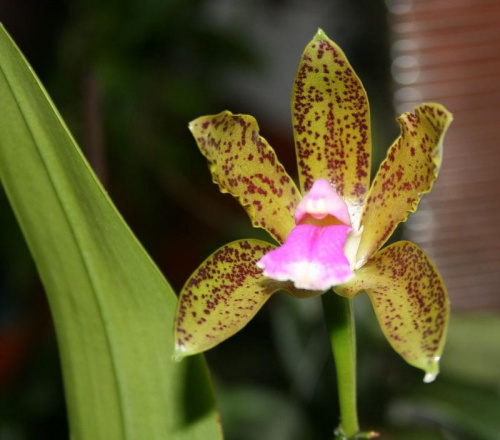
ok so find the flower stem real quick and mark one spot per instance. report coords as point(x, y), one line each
point(339, 320)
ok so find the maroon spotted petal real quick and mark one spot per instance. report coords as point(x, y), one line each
point(410, 300)
point(243, 164)
point(223, 295)
point(408, 172)
point(331, 122)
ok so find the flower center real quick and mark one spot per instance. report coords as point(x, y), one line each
point(322, 202)
point(329, 220)
point(323, 207)
point(320, 251)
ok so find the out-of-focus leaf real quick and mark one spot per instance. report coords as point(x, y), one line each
point(113, 310)
point(472, 351)
point(468, 411)
point(255, 414)
point(411, 434)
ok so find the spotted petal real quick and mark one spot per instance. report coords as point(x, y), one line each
point(243, 164)
point(223, 295)
point(408, 172)
point(331, 120)
point(410, 301)
point(312, 258)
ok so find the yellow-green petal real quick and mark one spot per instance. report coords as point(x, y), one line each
point(408, 172)
point(243, 164)
point(331, 121)
point(221, 296)
point(410, 300)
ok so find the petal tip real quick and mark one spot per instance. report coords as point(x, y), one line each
point(178, 355)
point(430, 377)
point(193, 125)
point(433, 371)
point(320, 34)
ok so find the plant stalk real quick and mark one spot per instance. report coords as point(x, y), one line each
point(339, 320)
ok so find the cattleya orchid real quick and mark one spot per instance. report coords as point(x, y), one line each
point(331, 231)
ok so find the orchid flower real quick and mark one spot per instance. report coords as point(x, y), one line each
point(331, 230)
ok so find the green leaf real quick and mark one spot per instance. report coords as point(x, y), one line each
point(247, 410)
point(468, 411)
point(472, 353)
point(113, 310)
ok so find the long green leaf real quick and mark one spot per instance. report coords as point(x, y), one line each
point(112, 308)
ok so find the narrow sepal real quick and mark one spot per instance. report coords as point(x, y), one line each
point(408, 172)
point(331, 121)
point(243, 164)
point(410, 301)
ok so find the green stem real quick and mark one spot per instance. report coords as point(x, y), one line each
point(339, 320)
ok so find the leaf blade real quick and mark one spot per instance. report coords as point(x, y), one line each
point(111, 305)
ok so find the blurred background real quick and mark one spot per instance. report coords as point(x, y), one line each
point(129, 75)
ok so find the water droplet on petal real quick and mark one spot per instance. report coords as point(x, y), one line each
point(429, 377)
point(178, 355)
